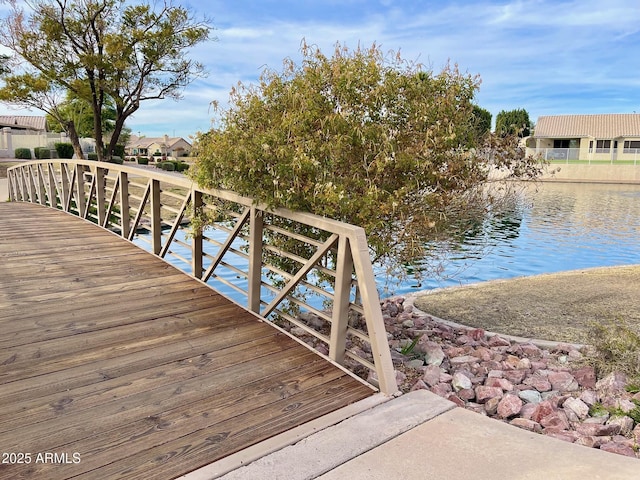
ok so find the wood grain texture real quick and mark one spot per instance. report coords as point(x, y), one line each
point(108, 351)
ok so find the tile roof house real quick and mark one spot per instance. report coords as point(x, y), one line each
point(24, 122)
point(147, 146)
point(607, 137)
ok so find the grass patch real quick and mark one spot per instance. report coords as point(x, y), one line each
point(4, 166)
point(616, 349)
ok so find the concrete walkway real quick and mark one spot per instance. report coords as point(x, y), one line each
point(421, 435)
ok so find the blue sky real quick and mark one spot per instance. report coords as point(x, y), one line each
point(546, 56)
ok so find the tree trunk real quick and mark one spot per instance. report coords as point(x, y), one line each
point(75, 140)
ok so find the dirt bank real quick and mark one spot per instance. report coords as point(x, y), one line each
point(560, 307)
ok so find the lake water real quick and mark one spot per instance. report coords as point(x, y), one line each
point(553, 227)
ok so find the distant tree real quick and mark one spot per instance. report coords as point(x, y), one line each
point(363, 138)
point(78, 110)
point(513, 122)
point(104, 49)
point(482, 121)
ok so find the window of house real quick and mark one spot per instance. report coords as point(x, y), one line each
point(631, 145)
point(561, 143)
point(603, 144)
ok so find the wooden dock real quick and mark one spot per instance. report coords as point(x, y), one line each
point(114, 364)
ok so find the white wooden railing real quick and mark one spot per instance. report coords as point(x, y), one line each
point(307, 274)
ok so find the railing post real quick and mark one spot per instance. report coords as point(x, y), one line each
point(256, 226)
point(41, 187)
point(100, 183)
point(52, 190)
point(156, 223)
point(341, 299)
point(31, 186)
point(125, 224)
point(373, 314)
point(196, 241)
point(81, 200)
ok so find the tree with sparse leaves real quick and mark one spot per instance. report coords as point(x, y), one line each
point(364, 138)
point(99, 51)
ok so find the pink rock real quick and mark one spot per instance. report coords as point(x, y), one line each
point(541, 410)
point(502, 383)
point(577, 406)
point(592, 442)
point(511, 362)
point(483, 353)
point(419, 385)
point(441, 389)
point(462, 360)
point(495, 374)
point(566, 436)
point(464, 340)
point(477, 334)
point(586, 377)
point(555, 421)
point(509, 406)
point(467, 394)
point(431, 375)
point(433, 353)
point(612, 384)
point(636, 433)
point(526, 424)
point(527, 411)
point(498, 341)
point(452, 397)
point(538, 382)
point(530, 350)
point(589, 397)
point(563, 381)
point(515, 376)
point(619, 448)
point(597, 429)
point(460, 381)
point(485, 393)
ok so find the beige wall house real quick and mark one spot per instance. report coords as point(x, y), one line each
point(147, 146)
point(598, 137)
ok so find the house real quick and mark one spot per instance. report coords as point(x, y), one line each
point(34, 124)
point(164, 146)
point(599, 137)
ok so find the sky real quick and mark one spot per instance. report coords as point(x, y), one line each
point(549, 57)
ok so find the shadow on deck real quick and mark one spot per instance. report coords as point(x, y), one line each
point(118, 365)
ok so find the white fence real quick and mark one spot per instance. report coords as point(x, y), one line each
point(10, 140)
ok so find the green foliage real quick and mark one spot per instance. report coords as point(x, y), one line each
point(42, 153)
point(617, 348)
point(92, 156)
point(513, 122)
point(143, 161)
point(116, 159)
point(408, 349)
point(23, 153)
point(105, 53)
point(481, 121)
point(360, 137)
point(65, 150)
point(119, 150)
point(168, 166)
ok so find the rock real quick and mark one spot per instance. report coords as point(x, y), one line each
point(419, 385)
point(612, 384)
point(542, 410)
point(597, 430)
point(460, 381)
point(592, 442)
point(618, 448)
point(415, 363)
point(484, 393)
point(589, 397)
point(433, 353)
point(491, 406)
point(556, 421)
point(498, 341)
point(477, 334)
point(441, 389)
point(577, 406)
point(515, 376)
point(467, 394)
point(563, 381)
point(452, 397)
point(539, 382)
point(530, 396)
point(502, 383)
point(526, 424)
point(462, 360)
point(509, 406)
point(569, 436)
point(625, 423)
point(431, 375)
point(531, 350)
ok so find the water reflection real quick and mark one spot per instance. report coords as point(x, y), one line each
point(551, 227)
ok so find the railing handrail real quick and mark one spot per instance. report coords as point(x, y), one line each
point(100, 192)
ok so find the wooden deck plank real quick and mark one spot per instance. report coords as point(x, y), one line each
point(108, 351)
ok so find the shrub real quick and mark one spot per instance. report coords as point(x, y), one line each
point(23, 153)
point(42, 152)
point(181, 166)
point(65, 150)
point(168, 166)
point(92, 156)
point(116, 159)
point(143, 161)
point(118, 150)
